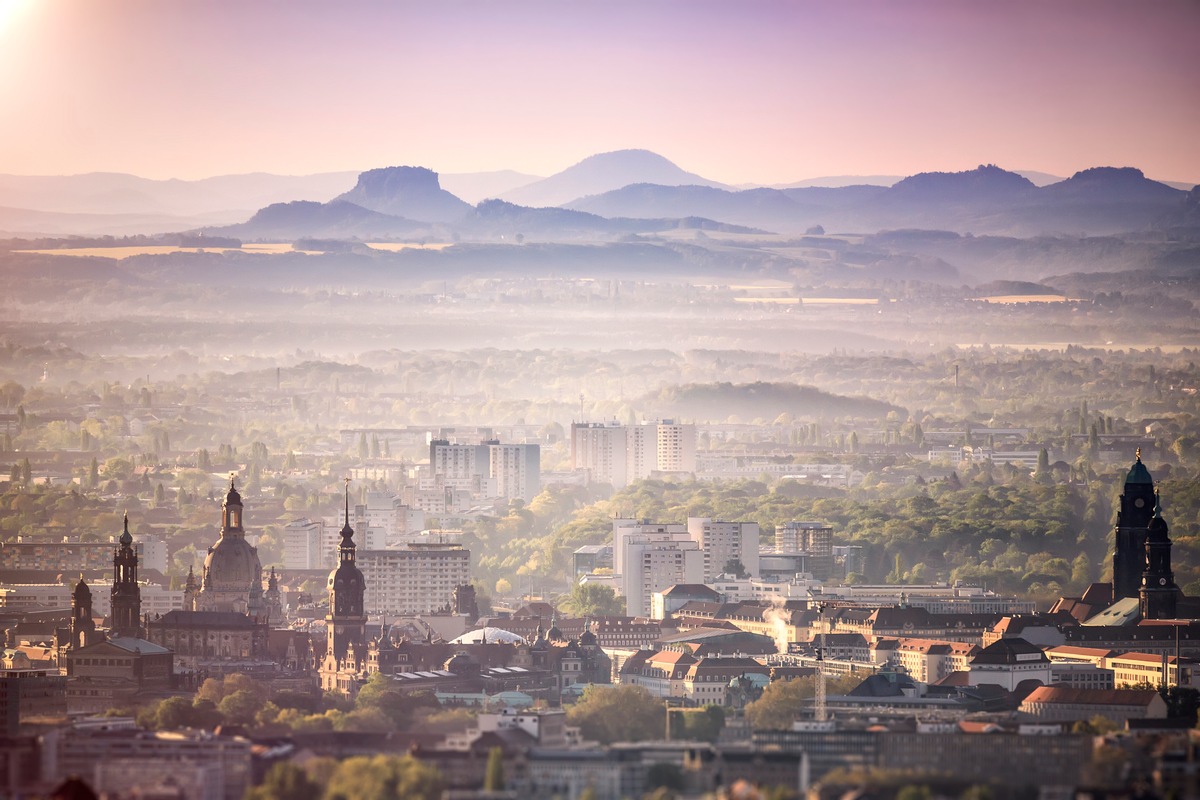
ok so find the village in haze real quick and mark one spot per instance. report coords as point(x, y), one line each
point(601, 415)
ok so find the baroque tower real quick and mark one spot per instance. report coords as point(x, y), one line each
point(1158, 595)
point(346, 622)
point(83, 626)
point(1133, 524)
point(126, 594)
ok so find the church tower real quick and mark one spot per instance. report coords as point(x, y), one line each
point(274, 601)
point(190, 590)
point(83, 626)
point(1133, 522)
point(126, 594)
point(1158, 594)
point(346, 622)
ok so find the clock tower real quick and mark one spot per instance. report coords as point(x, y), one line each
point(1158, 595)
point(1133, 526)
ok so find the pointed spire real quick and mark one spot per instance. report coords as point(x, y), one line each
point(1138, 454)
point(1157, 506)
point(126, 539)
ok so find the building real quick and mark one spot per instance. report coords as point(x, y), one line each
point(232, 577)
point(487, 470)
point(418, 578)
point(814, 539)
point(601, 450)
point(620, 454)
point(1009, 662)
point(1068, 704)
point(305, 545)
point(211, 767)
point(74, 556)
point(652, 562)
point(28, 597)
point(346, 623)
point(223, 626)
point(724, 543)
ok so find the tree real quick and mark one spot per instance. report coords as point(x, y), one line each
point(592, 600)
point(783, 702)
point(493, 776)
point(285, 781)
point(383, 777)
point(617, 714)
point(93, 474)
point(363, 448)
point(735, 567)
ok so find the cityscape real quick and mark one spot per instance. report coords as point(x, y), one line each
point(386, 413)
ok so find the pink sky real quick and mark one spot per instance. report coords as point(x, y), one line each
point(763, 92)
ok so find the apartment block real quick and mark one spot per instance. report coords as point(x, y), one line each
point(417, 578)
point(723, 542)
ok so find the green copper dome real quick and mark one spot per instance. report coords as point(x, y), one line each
point(1138, 473)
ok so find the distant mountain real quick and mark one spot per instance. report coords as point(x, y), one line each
point(987, 199)
point(717, 401)
point(228, 196)
point(476, 186)
point(336, 219)
point(411, 192)
point(602, 173)
point(837, 181)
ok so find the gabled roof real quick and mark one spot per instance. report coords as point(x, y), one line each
point(694, 591)
point(1010, 651)
point(1098, 697)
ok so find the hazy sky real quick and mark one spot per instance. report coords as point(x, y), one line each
point(738, 91)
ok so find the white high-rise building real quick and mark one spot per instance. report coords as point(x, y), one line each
point(490, 469)
point(305, 545)
point(602, 450)
point(620, 454)
point(414, 579)
point(649, 558)
point(516, 469)
point(723, 542)
point(676, 447)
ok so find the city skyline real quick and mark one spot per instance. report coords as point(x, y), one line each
point(761, 93)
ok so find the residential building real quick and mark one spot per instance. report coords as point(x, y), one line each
point(414, 579)
point(815, 539)
point(724, 543)
point(305, 545)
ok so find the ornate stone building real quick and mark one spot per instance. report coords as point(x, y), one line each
point(223, 626)
point(345, 659)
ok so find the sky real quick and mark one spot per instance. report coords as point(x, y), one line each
point(741, 91)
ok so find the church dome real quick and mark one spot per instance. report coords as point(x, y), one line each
point(82, 590)
point(1138, 472)
point(232, 565)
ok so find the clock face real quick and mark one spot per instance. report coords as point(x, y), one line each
point(1139, 502)
point(1162, 581)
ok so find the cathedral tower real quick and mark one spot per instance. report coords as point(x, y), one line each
point(83, 626)
point(1158, 595)
point(126, 594)
point(1133, 522)
point(346, 622)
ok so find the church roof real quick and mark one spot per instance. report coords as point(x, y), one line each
point(178, 618)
